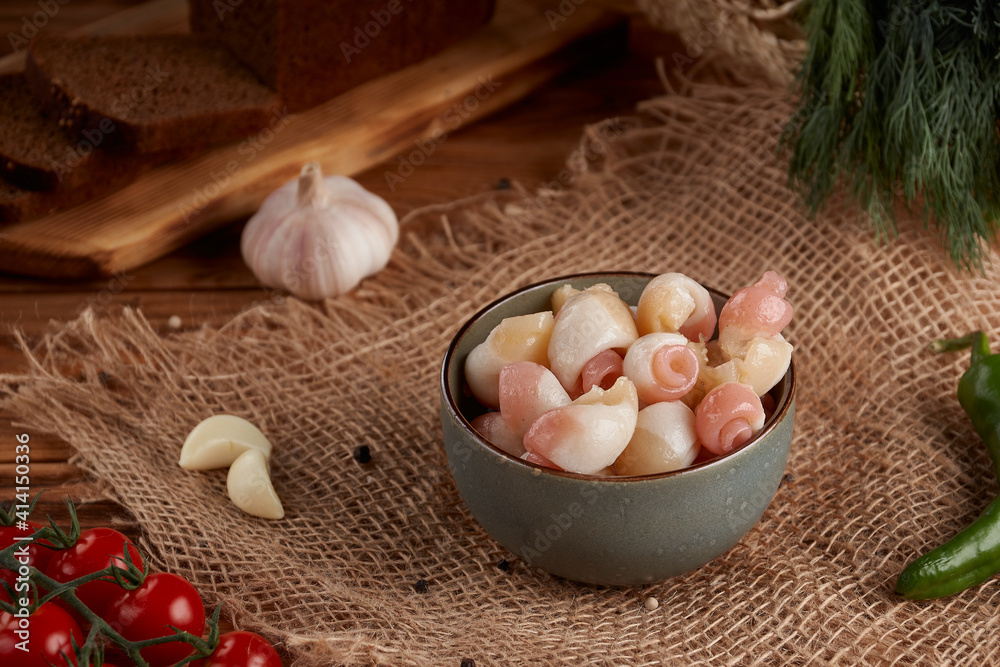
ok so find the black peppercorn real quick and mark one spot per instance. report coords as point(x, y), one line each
point(362, 454)
point(503, 565)
point(421, 586)
point(468, 662)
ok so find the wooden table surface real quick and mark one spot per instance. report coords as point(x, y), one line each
point(207, 282)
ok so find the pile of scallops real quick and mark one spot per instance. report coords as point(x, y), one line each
point(598, 387)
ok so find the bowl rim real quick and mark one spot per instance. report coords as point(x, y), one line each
point(780, 411)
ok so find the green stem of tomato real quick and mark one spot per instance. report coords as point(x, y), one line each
point(129, 577)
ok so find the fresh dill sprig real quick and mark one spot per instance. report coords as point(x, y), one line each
point(899, 98)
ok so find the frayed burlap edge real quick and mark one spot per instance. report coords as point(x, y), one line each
point(884, 463)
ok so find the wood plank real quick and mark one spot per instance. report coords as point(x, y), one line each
point(44, 448)
point(31, 313)
point(176, 203)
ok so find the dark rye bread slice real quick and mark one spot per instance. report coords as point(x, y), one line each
point(312, 50)
point(17, 204)
point(34, 153)
point(148, 93)
point(91, 178)
point(42, 170)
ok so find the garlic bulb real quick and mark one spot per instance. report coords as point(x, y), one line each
point(318, 237)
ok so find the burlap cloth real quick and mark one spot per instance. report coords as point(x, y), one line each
point(883, 466)
point(761, 36)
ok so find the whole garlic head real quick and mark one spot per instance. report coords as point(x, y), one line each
point(319, 237)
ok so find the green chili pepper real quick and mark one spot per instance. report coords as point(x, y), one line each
point(973, 555)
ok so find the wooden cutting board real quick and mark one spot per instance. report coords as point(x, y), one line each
point(524, 47)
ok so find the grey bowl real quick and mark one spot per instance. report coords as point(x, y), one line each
point(613, 531)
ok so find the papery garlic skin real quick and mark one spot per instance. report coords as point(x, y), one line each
point(319, 237)
point(520, 338)
point(587, 435)
point(664, 440)
point(249, 486)
point(589, 323)
point(217, 441)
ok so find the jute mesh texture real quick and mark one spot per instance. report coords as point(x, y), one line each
point(884, 463)
point(757, 36)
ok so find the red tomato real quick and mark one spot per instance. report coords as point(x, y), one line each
point(164, 599)
point(96, 549)
point(241, 649)
point(38, 555)
point(48, 635)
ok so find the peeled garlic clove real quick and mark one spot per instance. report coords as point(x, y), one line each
point(730, 371)
point(539, 460)
point(521, 338)
point(217, 441)
point(727, 417)
point(589, 323)
point(560, 296)
point(493, 427)
point(318, 237)
point(765, 363)
point(602, 371)
point(672, 302)
point(249, 486)
point(759, 310)
point(662, 366)
point(589, 434)
point(664, 440)
point(527, 390)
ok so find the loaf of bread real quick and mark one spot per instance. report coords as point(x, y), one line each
point(42, 170)
point(34, 153)
point(147, 93)
point(312, 50)
point(90, 114)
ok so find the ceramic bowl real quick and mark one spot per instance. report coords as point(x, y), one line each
point(606, 530)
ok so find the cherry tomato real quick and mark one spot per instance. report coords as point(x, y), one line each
point(241, 649)
point(164, 599)
point(38, 555)
point(96, 549)
point(49, 630)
